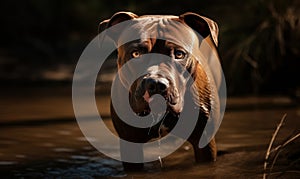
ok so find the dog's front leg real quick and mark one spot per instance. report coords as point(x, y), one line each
point(206, 154)
point(132, 151)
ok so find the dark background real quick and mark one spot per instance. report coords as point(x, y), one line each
point(41, 41)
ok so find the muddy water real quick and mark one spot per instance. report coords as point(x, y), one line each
point(39, 138)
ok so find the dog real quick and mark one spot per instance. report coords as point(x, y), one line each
point(162, 79)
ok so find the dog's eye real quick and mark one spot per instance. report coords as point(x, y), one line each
point(179, 54)
point(136, 54)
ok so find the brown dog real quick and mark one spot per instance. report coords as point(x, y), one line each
point(162, 79)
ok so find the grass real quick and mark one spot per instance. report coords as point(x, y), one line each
point(273, 154)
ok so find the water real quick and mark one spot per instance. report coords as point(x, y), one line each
point(39, 138)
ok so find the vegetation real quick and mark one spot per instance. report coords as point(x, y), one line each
point(290, 157)
point(258, 38)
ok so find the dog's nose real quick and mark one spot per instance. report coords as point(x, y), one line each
point(155, 86)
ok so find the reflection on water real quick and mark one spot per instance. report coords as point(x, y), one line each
point(51, 150)
point(53, 146)
point(84, 169)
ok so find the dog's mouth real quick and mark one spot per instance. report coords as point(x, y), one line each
point(160, 108)
point(157, 104)
point(160, 99)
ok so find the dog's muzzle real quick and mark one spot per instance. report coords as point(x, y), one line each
point(154, 86)
point(147, 90)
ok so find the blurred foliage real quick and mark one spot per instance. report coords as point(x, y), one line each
point(267, 58)
point(258, 38)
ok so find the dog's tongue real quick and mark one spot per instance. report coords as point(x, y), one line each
point(156, 102)
point(146, 97)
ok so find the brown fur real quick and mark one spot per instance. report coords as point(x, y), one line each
point(208, 29)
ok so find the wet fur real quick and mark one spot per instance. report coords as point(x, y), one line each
point(203, 100)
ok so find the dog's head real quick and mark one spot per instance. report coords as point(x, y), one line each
point(178, 42)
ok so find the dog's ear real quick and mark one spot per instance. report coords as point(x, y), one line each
point(102, 26)
point(120, 17)
point(203, 25)
point(115, 19)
